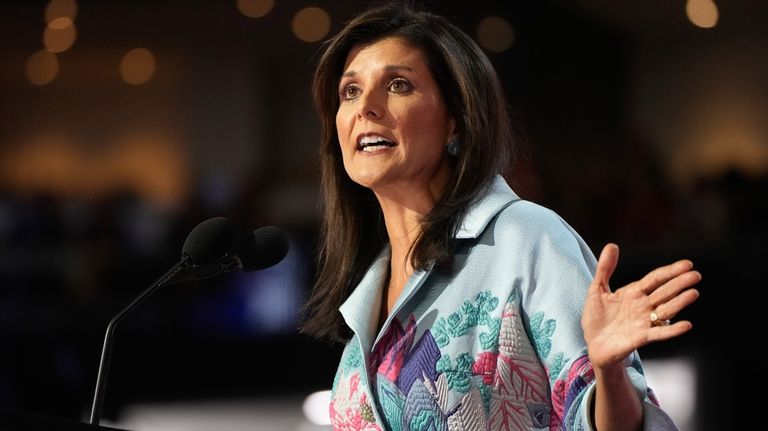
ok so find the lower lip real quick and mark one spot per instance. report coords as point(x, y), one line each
point(379, 150)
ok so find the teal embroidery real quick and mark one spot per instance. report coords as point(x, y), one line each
point(469, 316)
point(558, 362)
point(486, 302)
point(425, 420)
point(541, 332)
point(512, 297)
point(392, 403)
point(353, 358)
point(441, 333)
point(490, 340)
point(458, 377)
point(485, 395)
point(336, 379)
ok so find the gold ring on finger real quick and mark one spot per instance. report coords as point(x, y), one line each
point(655, 321)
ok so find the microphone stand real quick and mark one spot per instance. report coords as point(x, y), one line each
point(106, 352)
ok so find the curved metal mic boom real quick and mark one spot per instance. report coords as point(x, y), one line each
point(207, 241)
point(209, 250)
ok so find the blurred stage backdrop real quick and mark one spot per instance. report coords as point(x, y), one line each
point(124, 123)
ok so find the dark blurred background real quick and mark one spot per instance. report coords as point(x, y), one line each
point(124, 123)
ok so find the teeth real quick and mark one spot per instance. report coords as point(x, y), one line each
point(373, 139)
point(372, 148)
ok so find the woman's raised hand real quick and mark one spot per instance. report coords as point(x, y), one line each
point(616, 323)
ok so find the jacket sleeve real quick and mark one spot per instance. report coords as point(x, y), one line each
point(561, 267)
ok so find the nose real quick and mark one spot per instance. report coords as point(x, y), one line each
point(371, 106)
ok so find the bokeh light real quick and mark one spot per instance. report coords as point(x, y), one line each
point(255, 8)
point(60, 23)
point(137, 66)
point(495, 34)
point(316, 407)
point(702, 13)
point(61, 8)
point(59, 35)
point(311, 24)
point(42, 67)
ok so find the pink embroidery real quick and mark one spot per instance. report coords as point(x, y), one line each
point(485, 365)
point(390, 351)
point(580, 373)
point(351, 420)
point(350, 409)
point(581, 368)
point(354, 381)
point(558, 402)
point(519, 378)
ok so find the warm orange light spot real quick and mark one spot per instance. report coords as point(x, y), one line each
point(255, 8)
point(137, 66)
point(702, 13)
point(61, 22)
point(151, 164)
point(61, 8)
point(42, 67)
point(311, 24)
point(495, 34)
point(59, 39)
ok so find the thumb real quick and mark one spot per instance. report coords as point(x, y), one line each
point(609, 258)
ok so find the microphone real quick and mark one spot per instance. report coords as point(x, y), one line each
point(209, 240)
point(260, 249)
point(210, 249)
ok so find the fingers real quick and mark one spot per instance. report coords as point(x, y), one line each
point(609, 258)
point(670, 308)
point(663, 274)
point(660, 333)
point(673, 287)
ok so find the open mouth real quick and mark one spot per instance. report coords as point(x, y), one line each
point(372, 143)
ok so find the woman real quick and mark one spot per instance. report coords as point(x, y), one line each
point(461, 305)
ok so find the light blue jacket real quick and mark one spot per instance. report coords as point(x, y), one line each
point(496, 345)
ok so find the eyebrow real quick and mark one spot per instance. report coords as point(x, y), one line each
point(390, 68)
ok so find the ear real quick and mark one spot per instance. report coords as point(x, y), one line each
point(454, 141)
point(452, 132)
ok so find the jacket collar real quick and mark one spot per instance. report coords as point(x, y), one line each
point(360, 310)
point(499, 195)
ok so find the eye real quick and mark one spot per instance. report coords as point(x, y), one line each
point(399, 85)
point(349, 92)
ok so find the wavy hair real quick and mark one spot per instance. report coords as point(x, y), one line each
point(353, 231)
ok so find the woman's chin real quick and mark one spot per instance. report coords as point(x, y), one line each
point(371, 177)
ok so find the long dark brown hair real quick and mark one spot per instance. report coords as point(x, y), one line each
point(353, 231)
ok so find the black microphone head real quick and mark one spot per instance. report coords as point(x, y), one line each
point(262, 248)
point(210, 240)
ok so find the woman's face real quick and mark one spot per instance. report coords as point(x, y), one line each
point(392, 122)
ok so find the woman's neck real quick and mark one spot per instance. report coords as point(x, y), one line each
point(403, 219)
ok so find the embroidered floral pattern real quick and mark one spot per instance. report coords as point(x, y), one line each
point(558, 362)
point(541, 331)
point(565, 392)
point(458, 375)
point(485, 366)
point(503, 388)
point(469, 316)
point(350, 360)
point(392, 348)
point(350, 409)
point(415, 385)
point(353, 359)
point(520, 397)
